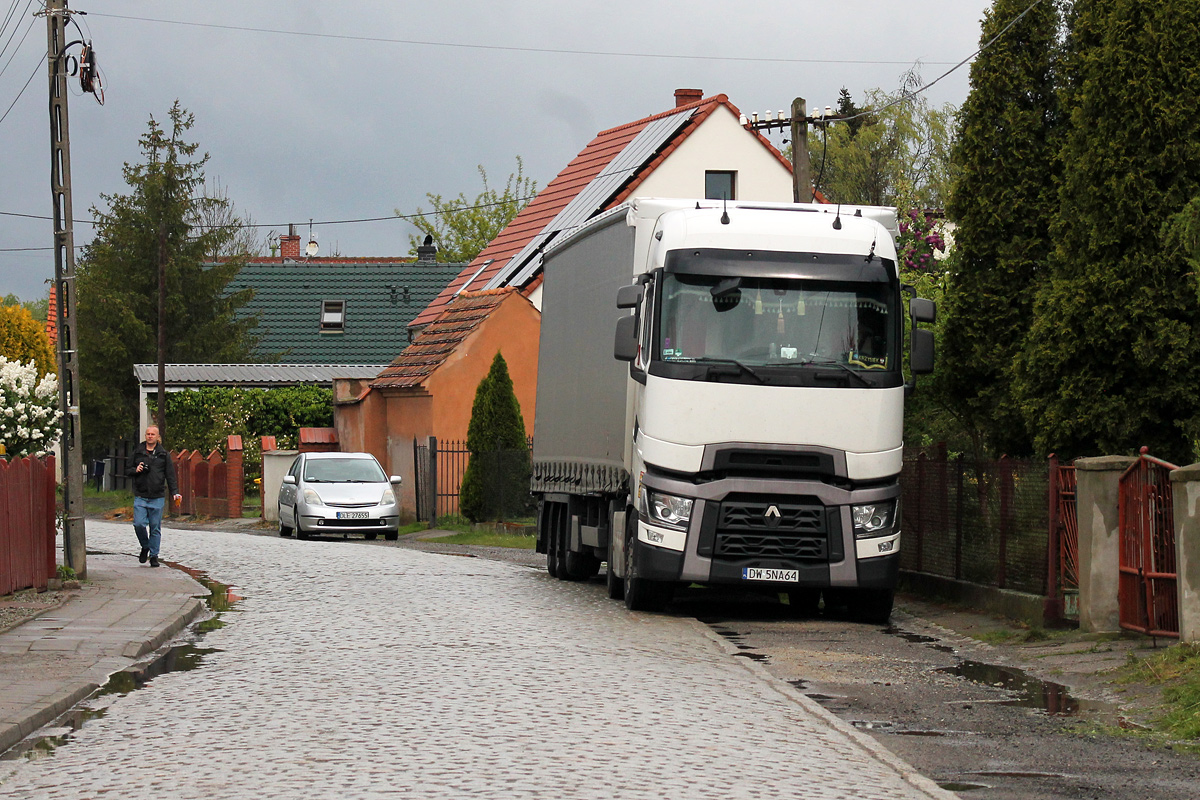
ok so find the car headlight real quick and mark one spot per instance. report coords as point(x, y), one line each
point(389, 497)
point(873, 519)
point(667, 509)
point(312, 498)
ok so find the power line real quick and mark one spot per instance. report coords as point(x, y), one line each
point(505, 48)
point(23, 88)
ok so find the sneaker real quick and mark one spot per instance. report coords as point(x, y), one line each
point(154, 561)
point(142, 556)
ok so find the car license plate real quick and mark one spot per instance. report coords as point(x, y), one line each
point(778, 575)
point(351, 515)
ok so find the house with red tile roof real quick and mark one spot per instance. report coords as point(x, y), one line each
point(698, 148)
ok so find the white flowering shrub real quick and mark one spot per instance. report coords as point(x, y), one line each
point(28, 410)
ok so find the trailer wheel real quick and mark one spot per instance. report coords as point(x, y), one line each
point(562, 535)
point(642, 594)
point(872, 605)
point(551, 534)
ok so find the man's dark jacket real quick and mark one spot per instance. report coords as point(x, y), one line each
point(158, 475)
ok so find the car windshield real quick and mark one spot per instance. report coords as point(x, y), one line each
point(343, 470)
point(775, 322)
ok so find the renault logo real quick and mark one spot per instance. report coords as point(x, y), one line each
point(772, 516)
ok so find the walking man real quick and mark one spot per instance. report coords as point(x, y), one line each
point(153, 474)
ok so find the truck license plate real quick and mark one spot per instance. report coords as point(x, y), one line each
point(778, 575)
point(351, 515)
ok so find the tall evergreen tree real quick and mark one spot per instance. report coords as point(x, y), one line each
point(1113, 356)
point(117, 281)
point(496, 483)
point(1002, 202)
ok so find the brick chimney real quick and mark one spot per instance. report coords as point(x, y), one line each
point(427, 252)
point(289, 246)
point(684, 97)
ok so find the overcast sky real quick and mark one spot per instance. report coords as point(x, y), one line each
point(336, 111)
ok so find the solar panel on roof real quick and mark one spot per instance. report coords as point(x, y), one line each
point(592, 197)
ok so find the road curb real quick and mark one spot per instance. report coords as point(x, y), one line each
point(27, 720)
point(903, 769)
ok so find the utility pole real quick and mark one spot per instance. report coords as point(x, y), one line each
point(802, 188)
point(74, 540)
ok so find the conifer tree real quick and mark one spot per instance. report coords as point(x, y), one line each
point(1113, 358)
point(1002, 202)
point(496, 483)
point(117, 278)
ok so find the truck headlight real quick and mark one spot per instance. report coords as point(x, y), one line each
point(873, 519)
point(312, 498)
point(667, 509)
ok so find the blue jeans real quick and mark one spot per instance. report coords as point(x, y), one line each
point(147, 521)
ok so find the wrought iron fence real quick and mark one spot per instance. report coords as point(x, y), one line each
point(984, 522)
point(441, 466)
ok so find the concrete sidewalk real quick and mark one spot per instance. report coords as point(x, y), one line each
point(122, 612)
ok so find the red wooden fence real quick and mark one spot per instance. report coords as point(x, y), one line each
point(211, 486)
point(27, 523)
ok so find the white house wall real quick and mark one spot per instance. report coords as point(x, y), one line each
point(720, 143)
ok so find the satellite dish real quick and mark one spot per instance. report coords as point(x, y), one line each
point(311, 249)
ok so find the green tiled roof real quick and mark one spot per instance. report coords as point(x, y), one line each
point(381, 295)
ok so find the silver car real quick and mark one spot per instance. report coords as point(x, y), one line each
point(332, 493)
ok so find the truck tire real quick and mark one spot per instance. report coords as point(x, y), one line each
point(550, 531)
point(872, 606)
point(616, 585)
point(642, 594)
point(803, 603)
point(562, 535)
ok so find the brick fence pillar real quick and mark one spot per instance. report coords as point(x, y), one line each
point(1185, 494)
point(235, 474)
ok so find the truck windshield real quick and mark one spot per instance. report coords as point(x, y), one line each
point(775, 322)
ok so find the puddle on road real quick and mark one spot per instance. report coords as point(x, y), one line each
point(919, 638)
point(177, 658)
point(1029, 692)
point(959, 786)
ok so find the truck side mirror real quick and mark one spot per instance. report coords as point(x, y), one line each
point(630, 296)
point(922, 310)
point(920, 360)
point(625, 345)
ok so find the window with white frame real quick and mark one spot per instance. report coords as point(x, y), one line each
point(333, 316)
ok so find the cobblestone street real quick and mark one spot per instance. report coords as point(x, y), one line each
point(363, 671)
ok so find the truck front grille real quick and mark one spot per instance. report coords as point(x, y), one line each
point(763, 529)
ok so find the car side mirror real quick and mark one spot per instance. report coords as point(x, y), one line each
point(625, 344)
point(290, 479)
point(395, 479)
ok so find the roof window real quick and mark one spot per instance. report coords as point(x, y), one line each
point(333, 316)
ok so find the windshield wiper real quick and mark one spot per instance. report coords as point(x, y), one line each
point(715, 362)
point(829, 362)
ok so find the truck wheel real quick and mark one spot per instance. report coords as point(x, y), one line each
point(551, 532)
point(616, 585)
point(562, 534)
point(642, 594)
point(872, 605)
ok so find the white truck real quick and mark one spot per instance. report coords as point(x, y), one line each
point(745, 427)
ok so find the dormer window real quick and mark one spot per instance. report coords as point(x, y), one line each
point(333, 316)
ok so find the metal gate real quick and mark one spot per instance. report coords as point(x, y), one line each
point(1062, 578)
point(1147, 589)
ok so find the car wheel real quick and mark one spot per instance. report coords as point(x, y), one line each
point(284, 530)
point(300, 532)
point(370, 536)
point(392, 536)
